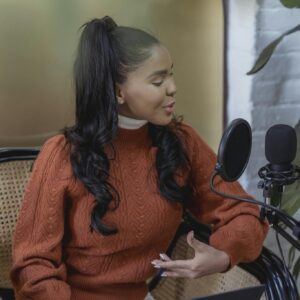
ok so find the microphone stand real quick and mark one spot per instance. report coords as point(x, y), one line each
point(274, 182)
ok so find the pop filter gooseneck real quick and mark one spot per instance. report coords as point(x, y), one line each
point(234, 150)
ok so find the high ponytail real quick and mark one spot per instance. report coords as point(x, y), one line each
point(95, 70)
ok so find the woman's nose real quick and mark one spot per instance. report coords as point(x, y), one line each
point(171, 90)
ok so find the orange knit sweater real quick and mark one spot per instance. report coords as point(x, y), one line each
point(55, 256)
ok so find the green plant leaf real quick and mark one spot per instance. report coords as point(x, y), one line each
point(291, 256)
point(296, 268)
point(290, 3)
point(267, 52)
point(293, 204)
point(291, 196)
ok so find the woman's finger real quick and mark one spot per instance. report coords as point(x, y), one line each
point(178, 273)
point(194, 243)
point(164, 257)
point(175, 264)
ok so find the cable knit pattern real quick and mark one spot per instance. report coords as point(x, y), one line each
point(55, 256)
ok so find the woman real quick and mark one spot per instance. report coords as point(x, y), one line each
point(105, 197)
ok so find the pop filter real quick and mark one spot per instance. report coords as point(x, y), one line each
point(234, 150)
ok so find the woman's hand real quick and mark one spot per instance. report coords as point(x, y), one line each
point(207, 260)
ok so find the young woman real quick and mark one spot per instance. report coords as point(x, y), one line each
point(105, 197)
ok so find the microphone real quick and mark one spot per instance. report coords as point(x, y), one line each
point(280, 151)
point(281, 147)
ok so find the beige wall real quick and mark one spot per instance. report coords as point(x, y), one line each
point(38, 41)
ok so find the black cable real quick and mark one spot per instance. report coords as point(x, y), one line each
point(282, 258)
point(274, 281)
point(289, 283)
point(288, 218)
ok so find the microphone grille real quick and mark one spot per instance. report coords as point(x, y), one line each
point(281, 144)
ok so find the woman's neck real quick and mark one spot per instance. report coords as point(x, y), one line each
point(130, 123)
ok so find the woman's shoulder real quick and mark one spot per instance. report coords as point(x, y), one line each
point(57, 140)
point(189, 133)
point(193, 140)
point(54, 149)
point(54, 159)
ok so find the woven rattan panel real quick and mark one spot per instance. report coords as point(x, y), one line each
point(183, 289)
point(13, 178)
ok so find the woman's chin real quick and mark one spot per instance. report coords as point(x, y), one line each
point(163, 122)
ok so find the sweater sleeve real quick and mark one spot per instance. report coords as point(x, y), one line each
point(237, 229)
point(38, 271)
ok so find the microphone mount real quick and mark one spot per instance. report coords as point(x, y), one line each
point(279, 178)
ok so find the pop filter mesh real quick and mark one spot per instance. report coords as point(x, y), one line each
point(237, 150)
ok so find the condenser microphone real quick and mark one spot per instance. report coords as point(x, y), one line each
point(280, 151)
point(280, 147)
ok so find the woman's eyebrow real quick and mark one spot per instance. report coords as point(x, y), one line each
point(160, 72)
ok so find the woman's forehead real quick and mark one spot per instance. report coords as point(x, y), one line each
point(159, 60)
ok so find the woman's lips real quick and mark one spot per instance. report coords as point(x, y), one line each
point(170, 104)
point(170, 107)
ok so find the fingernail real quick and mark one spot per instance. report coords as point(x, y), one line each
point(164, 274)
point(192, 234)
point(155, 264)
point(162, 256)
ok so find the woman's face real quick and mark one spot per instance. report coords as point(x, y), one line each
point(149, 92)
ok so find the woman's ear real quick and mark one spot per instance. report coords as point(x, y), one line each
point(119, 94)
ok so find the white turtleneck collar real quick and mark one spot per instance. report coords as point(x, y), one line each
point(130, 123)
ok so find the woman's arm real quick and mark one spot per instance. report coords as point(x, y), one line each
point(38, 271)
point(237, 229)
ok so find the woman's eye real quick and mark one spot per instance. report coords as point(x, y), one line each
point(159, 83)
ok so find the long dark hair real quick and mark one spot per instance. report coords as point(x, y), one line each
point(106, 53)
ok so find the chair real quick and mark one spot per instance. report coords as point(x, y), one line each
point(15, 167)
point(267, 269)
